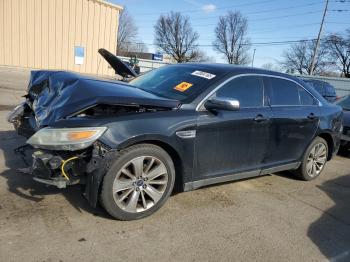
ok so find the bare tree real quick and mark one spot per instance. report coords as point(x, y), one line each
point(203, 57)
point(231, 38)
point(270, 66)
point(339, 50)
point(175, 36)
point(138, 46)
point(127, 31)
point(298, 57)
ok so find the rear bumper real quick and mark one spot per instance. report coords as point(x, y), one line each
point(345, 141)
point(345, 138)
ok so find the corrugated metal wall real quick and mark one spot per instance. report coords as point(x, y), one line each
point(44, 33)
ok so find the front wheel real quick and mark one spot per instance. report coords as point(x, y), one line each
point(138, 183)
point(314, 159)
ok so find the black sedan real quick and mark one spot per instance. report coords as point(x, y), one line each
point(183, 125)
point(324, 88)
point(344, 102)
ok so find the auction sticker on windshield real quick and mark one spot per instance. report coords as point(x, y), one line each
point(183, 86)
point(203, 74)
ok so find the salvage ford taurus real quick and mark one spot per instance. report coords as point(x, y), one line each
point(188, 125)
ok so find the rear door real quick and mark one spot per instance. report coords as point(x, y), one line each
point(294, 120)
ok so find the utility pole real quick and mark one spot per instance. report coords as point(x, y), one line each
point(318, 40)
point(253, 57)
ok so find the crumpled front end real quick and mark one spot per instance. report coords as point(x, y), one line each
point(61, 154)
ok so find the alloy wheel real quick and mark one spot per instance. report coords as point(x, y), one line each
point(140, 184)
point(316, 159)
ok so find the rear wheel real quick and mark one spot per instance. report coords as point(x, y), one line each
point(138, 183)
point(314, 159)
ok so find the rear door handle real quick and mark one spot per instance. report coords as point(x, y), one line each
point(311, 116)
point(260, 118)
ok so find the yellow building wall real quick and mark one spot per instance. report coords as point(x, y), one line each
point(43, 34)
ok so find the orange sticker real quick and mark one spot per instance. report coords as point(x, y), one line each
point(183, 86)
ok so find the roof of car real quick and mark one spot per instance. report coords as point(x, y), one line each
point(237, 69)
point(316, 81)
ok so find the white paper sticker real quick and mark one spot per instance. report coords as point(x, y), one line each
point(203, 74)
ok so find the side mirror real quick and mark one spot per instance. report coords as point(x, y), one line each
point(222, 103)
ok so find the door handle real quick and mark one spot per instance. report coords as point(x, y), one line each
point(260, 118)
point(311, 116)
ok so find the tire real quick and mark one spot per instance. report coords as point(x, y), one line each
point(143, 174)
point(314, 160)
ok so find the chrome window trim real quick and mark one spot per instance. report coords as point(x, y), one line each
point(200, 104)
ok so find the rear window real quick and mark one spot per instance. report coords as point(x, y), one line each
point(330, 90)
point(180, 82)
point(318, 86)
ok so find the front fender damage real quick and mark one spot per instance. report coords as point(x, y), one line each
point(96, 169)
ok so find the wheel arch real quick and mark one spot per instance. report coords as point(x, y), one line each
point(329, 139)
point(175, 157)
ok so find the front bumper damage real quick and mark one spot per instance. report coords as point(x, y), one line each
point(63, 168)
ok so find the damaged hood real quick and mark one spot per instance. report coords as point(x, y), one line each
point(57, 94)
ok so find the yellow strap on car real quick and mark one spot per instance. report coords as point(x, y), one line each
point(64, 162)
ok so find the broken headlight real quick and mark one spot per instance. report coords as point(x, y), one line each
point(70, 139)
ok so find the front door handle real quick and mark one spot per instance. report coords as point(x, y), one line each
point(260, 118)
point(311, 116)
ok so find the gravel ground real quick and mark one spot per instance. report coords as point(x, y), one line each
point(271, 218)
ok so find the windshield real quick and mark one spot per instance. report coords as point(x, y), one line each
point(344, 103)
point(179, 82)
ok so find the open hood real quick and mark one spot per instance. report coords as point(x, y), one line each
point(118, 65)
point(57, 95)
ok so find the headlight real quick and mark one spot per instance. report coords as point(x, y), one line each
point(66, 138)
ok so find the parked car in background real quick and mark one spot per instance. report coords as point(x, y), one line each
point(325, 89)
point(188, 125)
point(344, 102)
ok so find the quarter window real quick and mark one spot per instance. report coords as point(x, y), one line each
point(305, 98)
point(248, 90)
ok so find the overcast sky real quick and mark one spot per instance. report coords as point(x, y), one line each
point(268, 21)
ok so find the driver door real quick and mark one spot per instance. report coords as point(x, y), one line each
point(233, 141)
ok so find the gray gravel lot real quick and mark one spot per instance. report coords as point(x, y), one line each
point(271, 218)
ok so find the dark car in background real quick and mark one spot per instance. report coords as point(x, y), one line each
point(344, 102)
point(323, 88)
point(188, 125)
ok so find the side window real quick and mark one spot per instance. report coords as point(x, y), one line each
point(305, 98)
point(248, 90)
point(283, 92)
point(330, 90)
point(319, 87)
